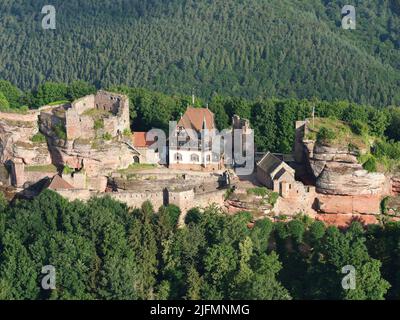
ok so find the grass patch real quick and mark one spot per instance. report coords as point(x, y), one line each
point(56, 103)
point(19, 110)
point(137, 167)
point(41, 168)
point(97, 113)
point(258, 191)
point(68, 170)
point(336, 132)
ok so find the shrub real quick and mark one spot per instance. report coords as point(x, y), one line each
point(273, 197)
point(38, 138)
point(4, 104)
point(193, 216)
point(370, 165)
point(317, 230)
point(258, 191)
point(127, 133)
point(360, 128)
point(265, 193)
point(98, 124)
point(390, 149)
point(60, 131)
point(107, 136)
point(296, 229)
point(228, 193)
point(281, 230)
point(68, 170)
point(384, 205)
point(325, 135)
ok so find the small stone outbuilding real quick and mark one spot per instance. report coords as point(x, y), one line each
point(275, 174)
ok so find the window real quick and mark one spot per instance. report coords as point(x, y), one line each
point(194, 158)
point(208, 158)
point(178, 157)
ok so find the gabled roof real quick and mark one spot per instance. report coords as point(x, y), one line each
point(274, 166)
point(269, 163)
point(58, 183)
point(196, 118)
point(139, 140)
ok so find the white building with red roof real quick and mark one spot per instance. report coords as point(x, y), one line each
point(190, 145)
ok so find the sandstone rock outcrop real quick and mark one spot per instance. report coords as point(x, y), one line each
point(344, 220)
point(16, 132)
point(362, 204)
point(338, 172)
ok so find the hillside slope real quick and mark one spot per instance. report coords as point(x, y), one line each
point(251, 48)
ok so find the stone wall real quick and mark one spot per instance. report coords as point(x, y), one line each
point(107, 101)
point(187, 199)
point(32, 177)
point(98, 183)
point(77, 194)
point(136, 199)
point(264, 178)
point(118, 105)
point(79, 125)
point(84, 104)
point(20, 175)
point(77, 180)
point(208, 198)
point(30, 116)
point(184, 199)
point(299, 199)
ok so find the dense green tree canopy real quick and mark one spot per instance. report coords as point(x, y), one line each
point(103, 250)
point(250, 48)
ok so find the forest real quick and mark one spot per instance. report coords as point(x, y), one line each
point(249, 48)
point(103, 250)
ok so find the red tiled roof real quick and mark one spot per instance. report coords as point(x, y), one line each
point(58, 183)
point(194, 119)
point(139, 140)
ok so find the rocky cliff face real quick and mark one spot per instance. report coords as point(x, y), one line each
point(99, 159)
point(338, 172)
point(16, 132)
